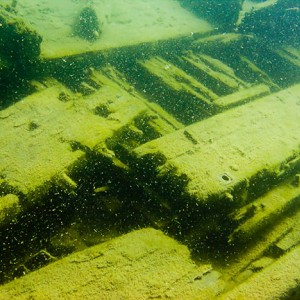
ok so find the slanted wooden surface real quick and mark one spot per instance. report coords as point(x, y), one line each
point(38, 132)
point(220, 155)
point(143, 264)
point(280, 280)
point(265, 210)
point(123, 23)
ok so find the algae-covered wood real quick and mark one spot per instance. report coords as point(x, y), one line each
point(122, 23)
point(178, 80)
point(242, 96)
point(217, 70)
point(227, 154)
point(38, 134)
point(143, 264)
point(265, 210)
point(265, 245)
point(280, 280)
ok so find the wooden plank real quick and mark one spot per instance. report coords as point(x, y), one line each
point(278, 281)
point(261, 76)
point(142, 264)
point(219, 41)
point(215, 69)
point(264, 211)
point(261, 246)
point(216, 64)
point(291, 239)
point(178, 80)
point(242, 97)
point(178, 92)
point(33, 146)
point(290, 54)
point(128, 23)
point(224, 156)
point(40, 135)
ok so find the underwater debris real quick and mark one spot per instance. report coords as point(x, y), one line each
point(87, 25)
point(14, 3)
point(276, 24)
point(223, 14)
point(19, 43)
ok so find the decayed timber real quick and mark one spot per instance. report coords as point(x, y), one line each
point(280, 238)
point(217, 70)
point(111, 153)
point(142, 264)
point(259, 214)
point(47, 135)
point(183, 95)
point(291, 54)
point(220, 41)
point(178, 80)
point(291, 239)
point(132, 23)
point(223, 157)
point(280, 280)
point(193, 85)
point(242, 97)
